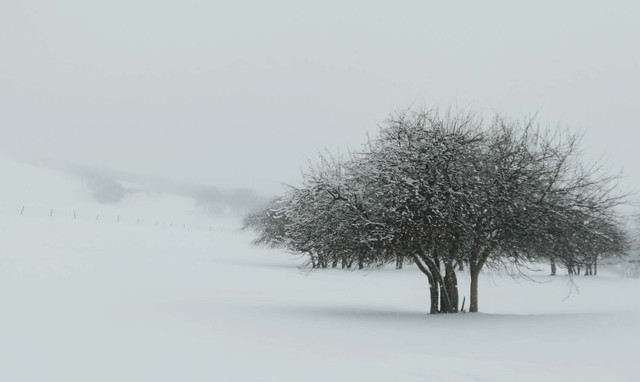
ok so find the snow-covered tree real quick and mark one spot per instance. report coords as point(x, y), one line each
point(441, 189)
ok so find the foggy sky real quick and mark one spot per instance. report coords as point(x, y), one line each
point(241, 93)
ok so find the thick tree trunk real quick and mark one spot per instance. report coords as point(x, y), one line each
point(451, 284)
point(434, 264)
point(433, 289)
point(473, 300)
point(553, 267)
point(433, 285)
point(445, 303)
point(595, 266)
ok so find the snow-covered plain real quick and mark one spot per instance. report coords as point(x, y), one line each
point(170, 294)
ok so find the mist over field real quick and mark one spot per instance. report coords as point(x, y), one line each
point(329, 191)
point(112, 187)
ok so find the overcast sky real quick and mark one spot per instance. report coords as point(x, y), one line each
point(240, 93)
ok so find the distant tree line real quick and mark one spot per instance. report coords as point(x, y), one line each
point(449, 191)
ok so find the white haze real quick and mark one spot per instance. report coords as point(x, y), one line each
point(238, 94)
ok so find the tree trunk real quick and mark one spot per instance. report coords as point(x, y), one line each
point(434, 268)
point(433, 289)
point(399, 262)
point(595, 266)
point(553, 267)
point(451, 284)
point(433, 284)
point(433, 263)
point(473, 300)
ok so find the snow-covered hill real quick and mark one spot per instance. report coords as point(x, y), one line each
point(168, 293)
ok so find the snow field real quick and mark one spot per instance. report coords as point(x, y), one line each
point(82, 300)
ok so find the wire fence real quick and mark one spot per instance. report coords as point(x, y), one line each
point(199, 223)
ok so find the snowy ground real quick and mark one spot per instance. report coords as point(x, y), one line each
point(179, 296)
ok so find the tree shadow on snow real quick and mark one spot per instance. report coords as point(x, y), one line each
point(351, 312)
point(372, 313)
